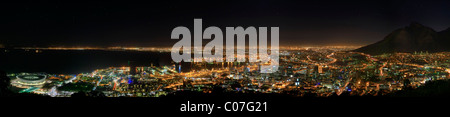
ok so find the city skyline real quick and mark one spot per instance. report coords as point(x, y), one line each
point(276, 57)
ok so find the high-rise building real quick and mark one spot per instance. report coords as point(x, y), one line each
point(132, 67)
point(290, 70)
point(319, 69)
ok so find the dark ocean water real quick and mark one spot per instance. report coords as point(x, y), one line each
point(75, 61)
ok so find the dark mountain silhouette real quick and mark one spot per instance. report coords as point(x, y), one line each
point(412, 38)
point(5, 83)
point(444, 37)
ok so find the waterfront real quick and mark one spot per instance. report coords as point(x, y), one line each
point(74, 61)
point(319, 71)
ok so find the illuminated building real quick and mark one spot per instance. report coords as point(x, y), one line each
point(26, 80)
point(319, 69)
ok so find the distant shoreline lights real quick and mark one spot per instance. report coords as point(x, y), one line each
point(205, 53)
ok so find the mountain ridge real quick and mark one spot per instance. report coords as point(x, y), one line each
point(412, 38)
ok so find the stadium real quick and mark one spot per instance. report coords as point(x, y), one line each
point(29, 79)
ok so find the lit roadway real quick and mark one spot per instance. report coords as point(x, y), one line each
point(197, 74)
point(309, 61)
point(333, 60)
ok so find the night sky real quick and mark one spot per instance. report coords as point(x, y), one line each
point(302, 23)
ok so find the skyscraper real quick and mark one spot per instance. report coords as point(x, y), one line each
point(132, 67)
